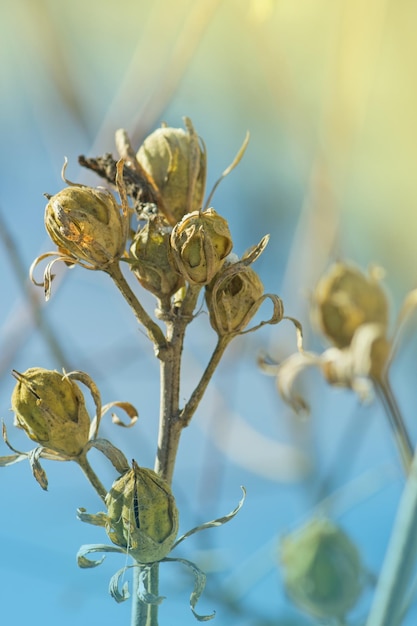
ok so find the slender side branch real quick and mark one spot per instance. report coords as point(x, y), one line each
point(192, 404)
point(154, 331)
point(91, 475)
point(392, 410)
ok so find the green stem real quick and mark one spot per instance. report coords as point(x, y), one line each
point(91, 476)
point(168, 436)
point(145, 614)
point(170, 426)
point(154, 331)
point(392, 410)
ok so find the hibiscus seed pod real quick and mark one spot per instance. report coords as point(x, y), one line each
point(86, 223)
point(345, 299)
point(233, 298)
point(51, 409)
point(176, 161)
point(322, 570)
point(151, 260)
point(142, 514)
point(200, 242)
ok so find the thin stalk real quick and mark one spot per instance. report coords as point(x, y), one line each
point(168, 436)
point(154, 331)
point(170, 426)
point(91, 476)
point(392, 410)
point(145, 614)
point(192, 404)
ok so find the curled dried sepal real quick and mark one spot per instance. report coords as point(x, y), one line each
point(175, 161)
point(322, 569)
point(33, 457)
point(87, 224)
point(200, 243)
point(219, 521)
point(82, 560)
point(355, 367)
point(199, 585)
point(228, 169)
point(345, 299)
point(115, 456)
point(120, 595)
point(128, 408)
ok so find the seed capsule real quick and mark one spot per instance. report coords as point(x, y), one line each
point(176, 161)
point(151, 260)
point(345, 299)
point(142, 514)
point(322, 569)
point(51, 410)
point(233, 298)
point(200, 242)
point(87, 224)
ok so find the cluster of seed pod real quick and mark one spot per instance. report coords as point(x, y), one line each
point(177, 244)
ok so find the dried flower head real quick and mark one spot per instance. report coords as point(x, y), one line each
point(235, 294)
point(151, 260)
point(233, 298)
point(322, 569)
point(200, 242)
point(345, 299)
point(142, 516)
point(175, 159)
point(50, 408)
point(86, 223)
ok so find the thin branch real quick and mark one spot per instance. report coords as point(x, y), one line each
point(195, 398)
point(154, 331)
point(91, 476)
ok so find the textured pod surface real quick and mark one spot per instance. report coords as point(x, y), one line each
point(322, 569)
point(51, 410)
point(200, 242)
point(176, 162)
point(233, 300)
point(152, 263)
point(142, 514)
point(86, 223)
point(345, 299)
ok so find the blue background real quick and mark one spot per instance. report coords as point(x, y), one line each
point(327, 89)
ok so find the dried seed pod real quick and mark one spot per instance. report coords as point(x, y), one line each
point(176, 161)
point(151, 260)
point(322, 569)
point(51, 410)
point(86, 223)
point(142, 515)
point(200, 242)
point(233, 298)
point(346, 299)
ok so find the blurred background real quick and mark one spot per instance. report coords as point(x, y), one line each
point(327, 89)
